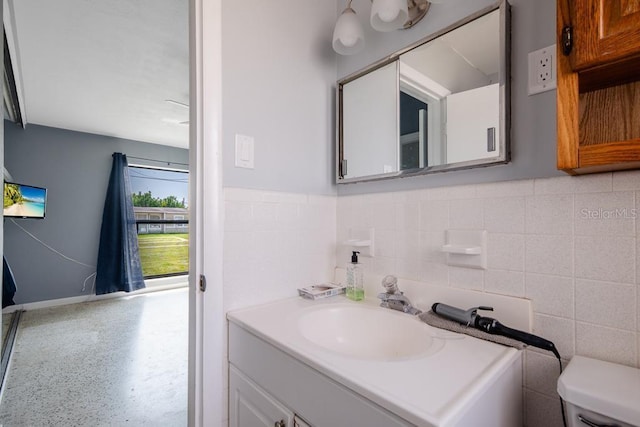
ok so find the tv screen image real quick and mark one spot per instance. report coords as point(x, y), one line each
point(24, 201)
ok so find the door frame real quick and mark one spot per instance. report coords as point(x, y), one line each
point(206, 318)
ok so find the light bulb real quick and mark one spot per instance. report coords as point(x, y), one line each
point(389, 15)
point(348, 36)
point(349, 40)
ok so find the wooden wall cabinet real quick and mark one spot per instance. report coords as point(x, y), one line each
point(598, 95)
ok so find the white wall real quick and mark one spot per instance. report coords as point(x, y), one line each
point(569, 244)
point(277, 78)
point(469, 116)
point(274, 243)
point(278, 74)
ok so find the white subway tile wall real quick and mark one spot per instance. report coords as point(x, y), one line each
point(570, 244)
point(541, 409)
point(505, 282)
point(275, 243)
point(612, 344)
point(541, 372)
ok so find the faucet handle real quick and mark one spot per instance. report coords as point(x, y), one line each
point(390, 284)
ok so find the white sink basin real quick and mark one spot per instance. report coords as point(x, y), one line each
point(368, 332)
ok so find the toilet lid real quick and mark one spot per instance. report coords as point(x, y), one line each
point(606, 388)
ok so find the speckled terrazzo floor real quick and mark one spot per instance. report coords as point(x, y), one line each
point(119, 362)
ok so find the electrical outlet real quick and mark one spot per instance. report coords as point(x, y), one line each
point(542, 70)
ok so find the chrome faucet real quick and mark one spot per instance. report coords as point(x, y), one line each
point(394, 299)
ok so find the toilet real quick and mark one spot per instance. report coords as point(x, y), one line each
point(598, 393)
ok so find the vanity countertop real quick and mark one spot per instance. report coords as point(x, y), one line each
point(432, 389)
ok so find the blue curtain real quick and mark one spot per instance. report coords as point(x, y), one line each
point(118, 258)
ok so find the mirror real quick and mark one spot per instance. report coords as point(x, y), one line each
point(441, 104)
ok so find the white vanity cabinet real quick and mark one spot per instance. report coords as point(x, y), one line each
point(278, 373)
point(250, 406)
point(267, 386)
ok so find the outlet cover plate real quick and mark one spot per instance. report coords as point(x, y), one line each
point(542, 70)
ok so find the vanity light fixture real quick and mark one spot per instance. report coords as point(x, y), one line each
point(348, 36)
point(386, 15)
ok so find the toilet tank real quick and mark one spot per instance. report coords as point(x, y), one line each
point(600, 393)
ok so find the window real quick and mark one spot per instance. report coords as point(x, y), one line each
point(160, 200)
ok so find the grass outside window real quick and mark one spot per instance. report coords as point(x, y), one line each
point(164, 254)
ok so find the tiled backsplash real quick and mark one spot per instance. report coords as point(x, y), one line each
point(275, 243)
point(569, 244)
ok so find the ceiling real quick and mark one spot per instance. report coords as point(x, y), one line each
point(465, 58)
point(104, 67)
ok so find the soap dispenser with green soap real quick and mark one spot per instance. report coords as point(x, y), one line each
point(355, 279)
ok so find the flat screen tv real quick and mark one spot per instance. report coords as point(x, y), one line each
point(24, 201)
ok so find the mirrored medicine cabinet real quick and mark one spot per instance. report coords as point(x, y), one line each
point(441, 104)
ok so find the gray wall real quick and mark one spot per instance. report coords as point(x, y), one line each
point(279, 88)
point(74, 167)
point(533, 126)
point(278, 71)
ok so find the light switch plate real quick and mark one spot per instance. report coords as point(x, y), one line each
point(244, 151)
point(542, 70)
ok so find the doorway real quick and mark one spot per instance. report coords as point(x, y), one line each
point(175, 117)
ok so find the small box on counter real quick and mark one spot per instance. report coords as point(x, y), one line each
point(323, 290)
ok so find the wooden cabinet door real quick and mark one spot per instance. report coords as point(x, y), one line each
point(250, 406)
point(604, 31)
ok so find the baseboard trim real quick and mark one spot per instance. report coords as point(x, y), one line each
point(162, 284)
